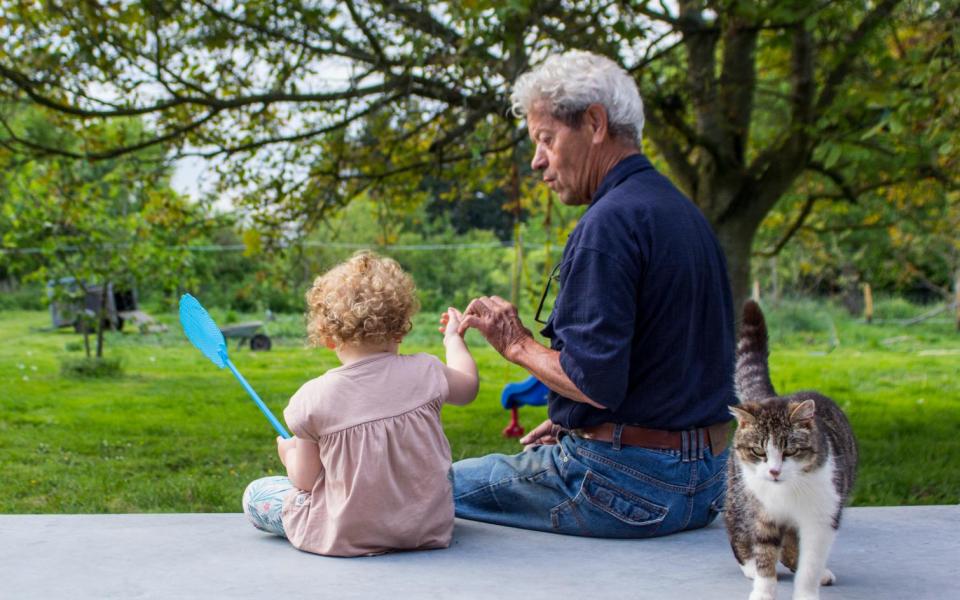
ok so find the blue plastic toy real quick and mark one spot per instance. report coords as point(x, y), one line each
point(207, 337)
point(529, 392)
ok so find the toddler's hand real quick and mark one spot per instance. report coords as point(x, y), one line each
point(284, 445)
point(450, 322)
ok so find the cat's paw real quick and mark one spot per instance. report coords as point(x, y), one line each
point(764, 588)
point(806, 594)
point(749, 569)
point(828, 578)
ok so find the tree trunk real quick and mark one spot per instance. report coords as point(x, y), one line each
point(735, 208)
point(86, 333)
point(101, 315)
point(736, 239)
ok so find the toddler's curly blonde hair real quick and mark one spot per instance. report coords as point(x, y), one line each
point(368, 299)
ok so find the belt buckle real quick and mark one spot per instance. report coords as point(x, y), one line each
point(580, 433)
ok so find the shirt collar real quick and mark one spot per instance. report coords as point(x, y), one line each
point(623, 169)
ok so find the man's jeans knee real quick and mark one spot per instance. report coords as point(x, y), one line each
point(584, 487)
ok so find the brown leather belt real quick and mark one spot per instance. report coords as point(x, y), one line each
point(660, 439)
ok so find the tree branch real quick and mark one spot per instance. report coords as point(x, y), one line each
point(738, 80)
point(374, 106)
point(775, 168)
point(27, 86)
point(848, 192)
point(851, 50)
point(115, 152)
point(419, 18)
point(351, 50)
point(675, 156)
point(797, 224)
point(802, 81)
point(701, 44)
point(651, 58)
point(367, 33)
point(653, 15)
point(513, 141)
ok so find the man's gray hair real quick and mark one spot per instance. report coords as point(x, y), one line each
point(570, 82)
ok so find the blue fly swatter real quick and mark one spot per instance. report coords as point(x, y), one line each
point(207, 337)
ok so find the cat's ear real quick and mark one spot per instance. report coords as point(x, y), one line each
point(802, 411)
point(744, 417)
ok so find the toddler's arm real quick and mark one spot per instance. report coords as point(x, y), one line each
point(302, 460)
point(461, 370)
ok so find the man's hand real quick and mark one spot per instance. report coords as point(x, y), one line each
point(542, 434)
point(497, 320)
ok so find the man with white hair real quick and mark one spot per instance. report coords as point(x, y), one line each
point(640, 362)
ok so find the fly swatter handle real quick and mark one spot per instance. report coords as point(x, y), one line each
point(263, 407)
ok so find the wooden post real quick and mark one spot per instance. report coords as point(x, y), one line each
point(514, 194)
point(756, 290)
point(956, 296)
point(774, 280)
point(867, 303)
point(547, 223)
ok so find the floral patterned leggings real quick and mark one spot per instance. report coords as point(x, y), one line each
point(263, 503)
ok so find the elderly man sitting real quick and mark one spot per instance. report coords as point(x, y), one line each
point(641, 351)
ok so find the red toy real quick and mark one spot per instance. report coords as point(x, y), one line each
point(529, 392)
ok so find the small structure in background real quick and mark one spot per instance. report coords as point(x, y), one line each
point(529, 392)
point(121, 307)
point(956, 297)
point(867, 303)
point(248, 331)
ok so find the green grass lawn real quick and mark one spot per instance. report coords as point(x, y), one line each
point(174, 433)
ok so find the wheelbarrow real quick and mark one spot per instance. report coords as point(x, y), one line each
point(248, 332)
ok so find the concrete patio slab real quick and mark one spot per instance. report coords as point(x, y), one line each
point(881, 553)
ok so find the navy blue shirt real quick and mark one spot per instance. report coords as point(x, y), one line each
point(644, 316)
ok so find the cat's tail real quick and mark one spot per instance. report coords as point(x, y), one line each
point(753, 374)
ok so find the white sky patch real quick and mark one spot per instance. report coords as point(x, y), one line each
point(192, 177)
point(195, 176)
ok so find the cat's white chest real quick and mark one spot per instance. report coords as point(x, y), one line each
point(805, 499)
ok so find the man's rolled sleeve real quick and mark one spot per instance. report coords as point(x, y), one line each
point(595, 317)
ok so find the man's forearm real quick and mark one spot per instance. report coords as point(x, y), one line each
point(544, 364)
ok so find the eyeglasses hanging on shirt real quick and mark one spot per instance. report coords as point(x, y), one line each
point(554, 276)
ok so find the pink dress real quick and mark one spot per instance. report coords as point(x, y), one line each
point(385, 461)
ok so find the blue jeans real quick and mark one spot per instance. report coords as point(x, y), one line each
point(591, 488)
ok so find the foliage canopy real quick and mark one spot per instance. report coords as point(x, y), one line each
point(305, 105)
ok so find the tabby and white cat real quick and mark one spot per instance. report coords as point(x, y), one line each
point(789, 475)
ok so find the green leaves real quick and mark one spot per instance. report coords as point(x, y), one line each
point(304, 106)
point(112, 221)
point(832, 155)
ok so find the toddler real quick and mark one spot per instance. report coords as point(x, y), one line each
point(367, 468)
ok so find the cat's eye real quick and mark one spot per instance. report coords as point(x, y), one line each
point(790, 452)
point(758, 452)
